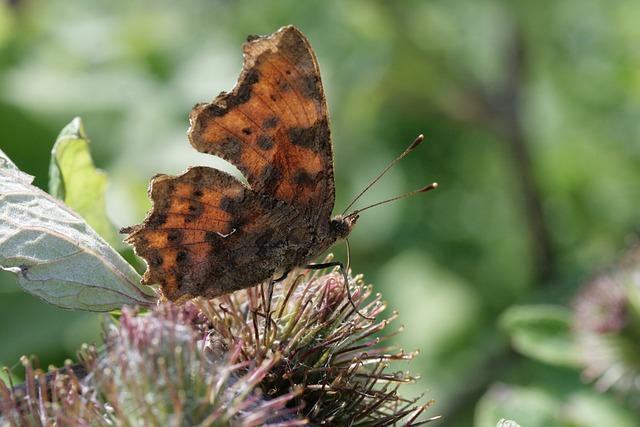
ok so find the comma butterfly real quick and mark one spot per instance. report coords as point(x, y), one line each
point(209, 234)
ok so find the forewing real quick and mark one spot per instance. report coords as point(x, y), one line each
point(273, 125)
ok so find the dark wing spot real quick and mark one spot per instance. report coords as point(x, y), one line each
point(310, 85)
point(244, 90)
point(182, 257)
point(198, 193)
point(196, 209)
point(265, 142)
point(156, 220)
point(247, 131)
point(310, 137)
point(270, 123)
point(226, 102)
point(217, 110)
point(303, 178)
point(174, 236)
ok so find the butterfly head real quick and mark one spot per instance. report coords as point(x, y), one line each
point(341, 226)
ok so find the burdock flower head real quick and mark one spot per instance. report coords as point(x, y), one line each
point(607, 325)
point(327, 348)
point(290, 354)
point(152, 371)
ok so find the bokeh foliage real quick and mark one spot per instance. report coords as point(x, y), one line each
point(529, 108)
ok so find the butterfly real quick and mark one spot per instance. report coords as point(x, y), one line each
point(208, 233)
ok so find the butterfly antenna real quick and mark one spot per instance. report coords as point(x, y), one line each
point(424, 189)
point(407, 150)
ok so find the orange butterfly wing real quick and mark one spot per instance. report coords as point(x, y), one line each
point(273, 125)
point(208, 234)
point(187, 217)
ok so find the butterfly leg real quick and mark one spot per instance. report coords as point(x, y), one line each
point(267, 304)
point(340, 266)
point(267, 322)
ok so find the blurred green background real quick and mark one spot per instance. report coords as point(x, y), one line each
point(530, 110)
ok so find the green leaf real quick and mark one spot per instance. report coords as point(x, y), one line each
point(532, 407)
point(542, 332)
point(74, 179)
point(55, 254)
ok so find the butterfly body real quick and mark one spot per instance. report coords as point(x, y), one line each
point(209, 234)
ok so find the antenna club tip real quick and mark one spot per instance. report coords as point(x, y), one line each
point(429, 187)
point(416, 142)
